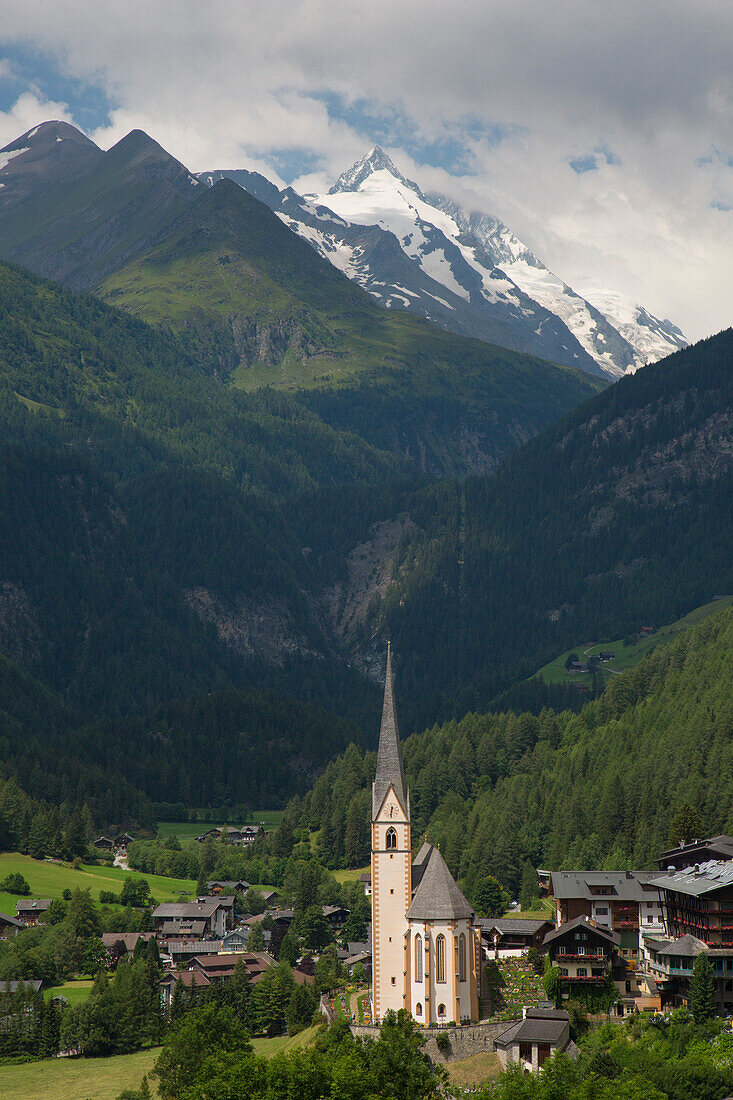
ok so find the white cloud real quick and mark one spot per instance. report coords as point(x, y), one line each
point(28, 111)
point(229, 84)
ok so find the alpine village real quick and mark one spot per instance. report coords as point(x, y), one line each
point(366, 635)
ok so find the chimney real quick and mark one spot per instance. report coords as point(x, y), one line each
point(682, 844)
point(629, 874)
point(670, 869)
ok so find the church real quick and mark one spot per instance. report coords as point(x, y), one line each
point(426, 948)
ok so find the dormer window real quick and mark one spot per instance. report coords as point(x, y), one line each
point(391, 838)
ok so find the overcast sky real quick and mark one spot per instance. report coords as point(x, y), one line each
point(601, 133)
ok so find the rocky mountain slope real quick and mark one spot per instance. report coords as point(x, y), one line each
point(463, 270)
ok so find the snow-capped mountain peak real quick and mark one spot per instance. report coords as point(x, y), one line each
point(463, 270)
point(376, 160)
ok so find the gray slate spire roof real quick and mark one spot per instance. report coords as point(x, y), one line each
point(438, 897)
point(389, 757)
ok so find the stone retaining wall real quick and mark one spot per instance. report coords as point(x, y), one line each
point(464, 1041)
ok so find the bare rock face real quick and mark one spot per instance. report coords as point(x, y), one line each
point(253, 628)
point(20, 632)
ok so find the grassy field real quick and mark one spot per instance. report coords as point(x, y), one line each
point(105, 1078)
point(189, 830)
point(49, 880)
point(76, 1078)
point(76, 992)
point(267, 1047)
point(625, 657)
point(472, 1072)
point(350, 876)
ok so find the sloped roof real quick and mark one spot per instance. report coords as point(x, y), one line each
point(585, 924)
point(518, 926)
point(687, 946)
point(437, 896)
point(701, 878)
point(624, 885)
point(389, 759)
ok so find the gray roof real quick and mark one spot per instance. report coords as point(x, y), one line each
point(688, 946)
point(701, 878)
point(539, 1026)
point(189, 910)
point(5, 919)
point(519, 926)
point(419, 863)
point(32, 905)
point(438, 897)
point(585, 924)
point(389, 758)
point(12, 986)
point(625, 885)
point(721, 845)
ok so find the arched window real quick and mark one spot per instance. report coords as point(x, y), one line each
point(391, 838)
point(441, 1010)
point(461, 958)
point(440, 959)
point(418, 1009)
point(418, 958)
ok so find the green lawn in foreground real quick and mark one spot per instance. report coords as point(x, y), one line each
point(77, 1078)
point(625, 656)
point(49, 880)
point(105, 1078)
point(76, 992)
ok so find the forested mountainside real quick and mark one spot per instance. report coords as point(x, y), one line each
point(597, 789)
point(166, 536)
point(620, 516)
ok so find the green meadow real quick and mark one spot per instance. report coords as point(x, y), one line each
point(625, 657)
point(49, 878)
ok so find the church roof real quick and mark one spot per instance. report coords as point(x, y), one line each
point(389, 759)
point(437, 896)
point(419, 863)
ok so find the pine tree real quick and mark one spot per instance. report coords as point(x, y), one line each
point(702, 989)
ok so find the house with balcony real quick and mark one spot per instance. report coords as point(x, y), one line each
point(584, 953)
point(698, 917)
point(625, 902)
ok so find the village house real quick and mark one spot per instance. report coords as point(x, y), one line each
point(583, 952)
point(687, 853)
point(34, 985)
point(512, 937)
point(529, 1043)
point(219, 968)
point(9, 926)
point(171, 917)
point(227, 886)
point(625, 902)
point(189, 979)
point(104, 843)
point(30, 910)
point(236, 940)
point(110, 940)
point(241, 837)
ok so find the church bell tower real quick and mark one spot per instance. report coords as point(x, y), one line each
point(391, 863)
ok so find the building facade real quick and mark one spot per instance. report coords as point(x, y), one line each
point(426, 948)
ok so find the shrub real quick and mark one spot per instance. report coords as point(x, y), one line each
point(443, 1043)
point(15, 884)
point(108, 897)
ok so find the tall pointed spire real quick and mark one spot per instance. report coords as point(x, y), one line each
point(389, 758)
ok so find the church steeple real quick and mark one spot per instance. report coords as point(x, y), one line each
point(389, 758)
